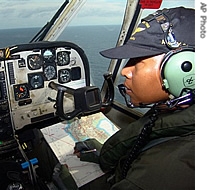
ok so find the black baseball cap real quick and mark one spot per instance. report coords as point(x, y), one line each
point(158, 33)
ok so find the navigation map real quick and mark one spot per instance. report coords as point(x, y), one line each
point(62, 137)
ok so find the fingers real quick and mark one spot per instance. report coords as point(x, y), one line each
point(79, 146)
point(77, 154)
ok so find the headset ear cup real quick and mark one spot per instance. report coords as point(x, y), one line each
point(178, 70)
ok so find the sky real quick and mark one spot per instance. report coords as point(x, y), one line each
point(36, 13)
point(25, 13)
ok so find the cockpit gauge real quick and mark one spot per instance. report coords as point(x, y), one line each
point(50, 72)
point(21, 91)
point(36, 80)
point(63, 58)
point(34, 61)
point(49, 55)
point(64, 75)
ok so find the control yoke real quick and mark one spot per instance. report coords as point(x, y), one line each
point(86, 99)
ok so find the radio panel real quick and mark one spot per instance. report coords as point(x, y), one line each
point(26, 74)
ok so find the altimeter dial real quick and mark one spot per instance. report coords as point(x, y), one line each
point(50, 72)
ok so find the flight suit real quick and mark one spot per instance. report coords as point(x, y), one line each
point(166, 162)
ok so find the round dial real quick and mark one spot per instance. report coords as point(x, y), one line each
point(64, 76)
point(36, 81)
point(50, 72)
point(34, 61)
point(63, 58)
point(21, 91)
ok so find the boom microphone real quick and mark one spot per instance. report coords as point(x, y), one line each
point(181, 100)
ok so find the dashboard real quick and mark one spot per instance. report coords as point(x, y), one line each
point(26, 70)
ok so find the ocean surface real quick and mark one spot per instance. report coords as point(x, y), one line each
point(92, 39)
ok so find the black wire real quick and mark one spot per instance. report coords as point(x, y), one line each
point(141, 141)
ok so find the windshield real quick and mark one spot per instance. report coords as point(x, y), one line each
point(94, 27)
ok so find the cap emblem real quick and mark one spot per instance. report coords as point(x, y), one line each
point(139, 29)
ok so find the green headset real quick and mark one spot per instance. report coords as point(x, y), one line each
point(178, 71)
point(178, 65)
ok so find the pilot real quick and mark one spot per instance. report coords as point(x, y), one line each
point(158, 150)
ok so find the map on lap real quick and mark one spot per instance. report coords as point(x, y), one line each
point(63, 136)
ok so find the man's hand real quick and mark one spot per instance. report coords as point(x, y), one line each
point(88, 150)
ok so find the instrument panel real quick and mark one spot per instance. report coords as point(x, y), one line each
point(25, 73)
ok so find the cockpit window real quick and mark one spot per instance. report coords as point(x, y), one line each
point(94, 28)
